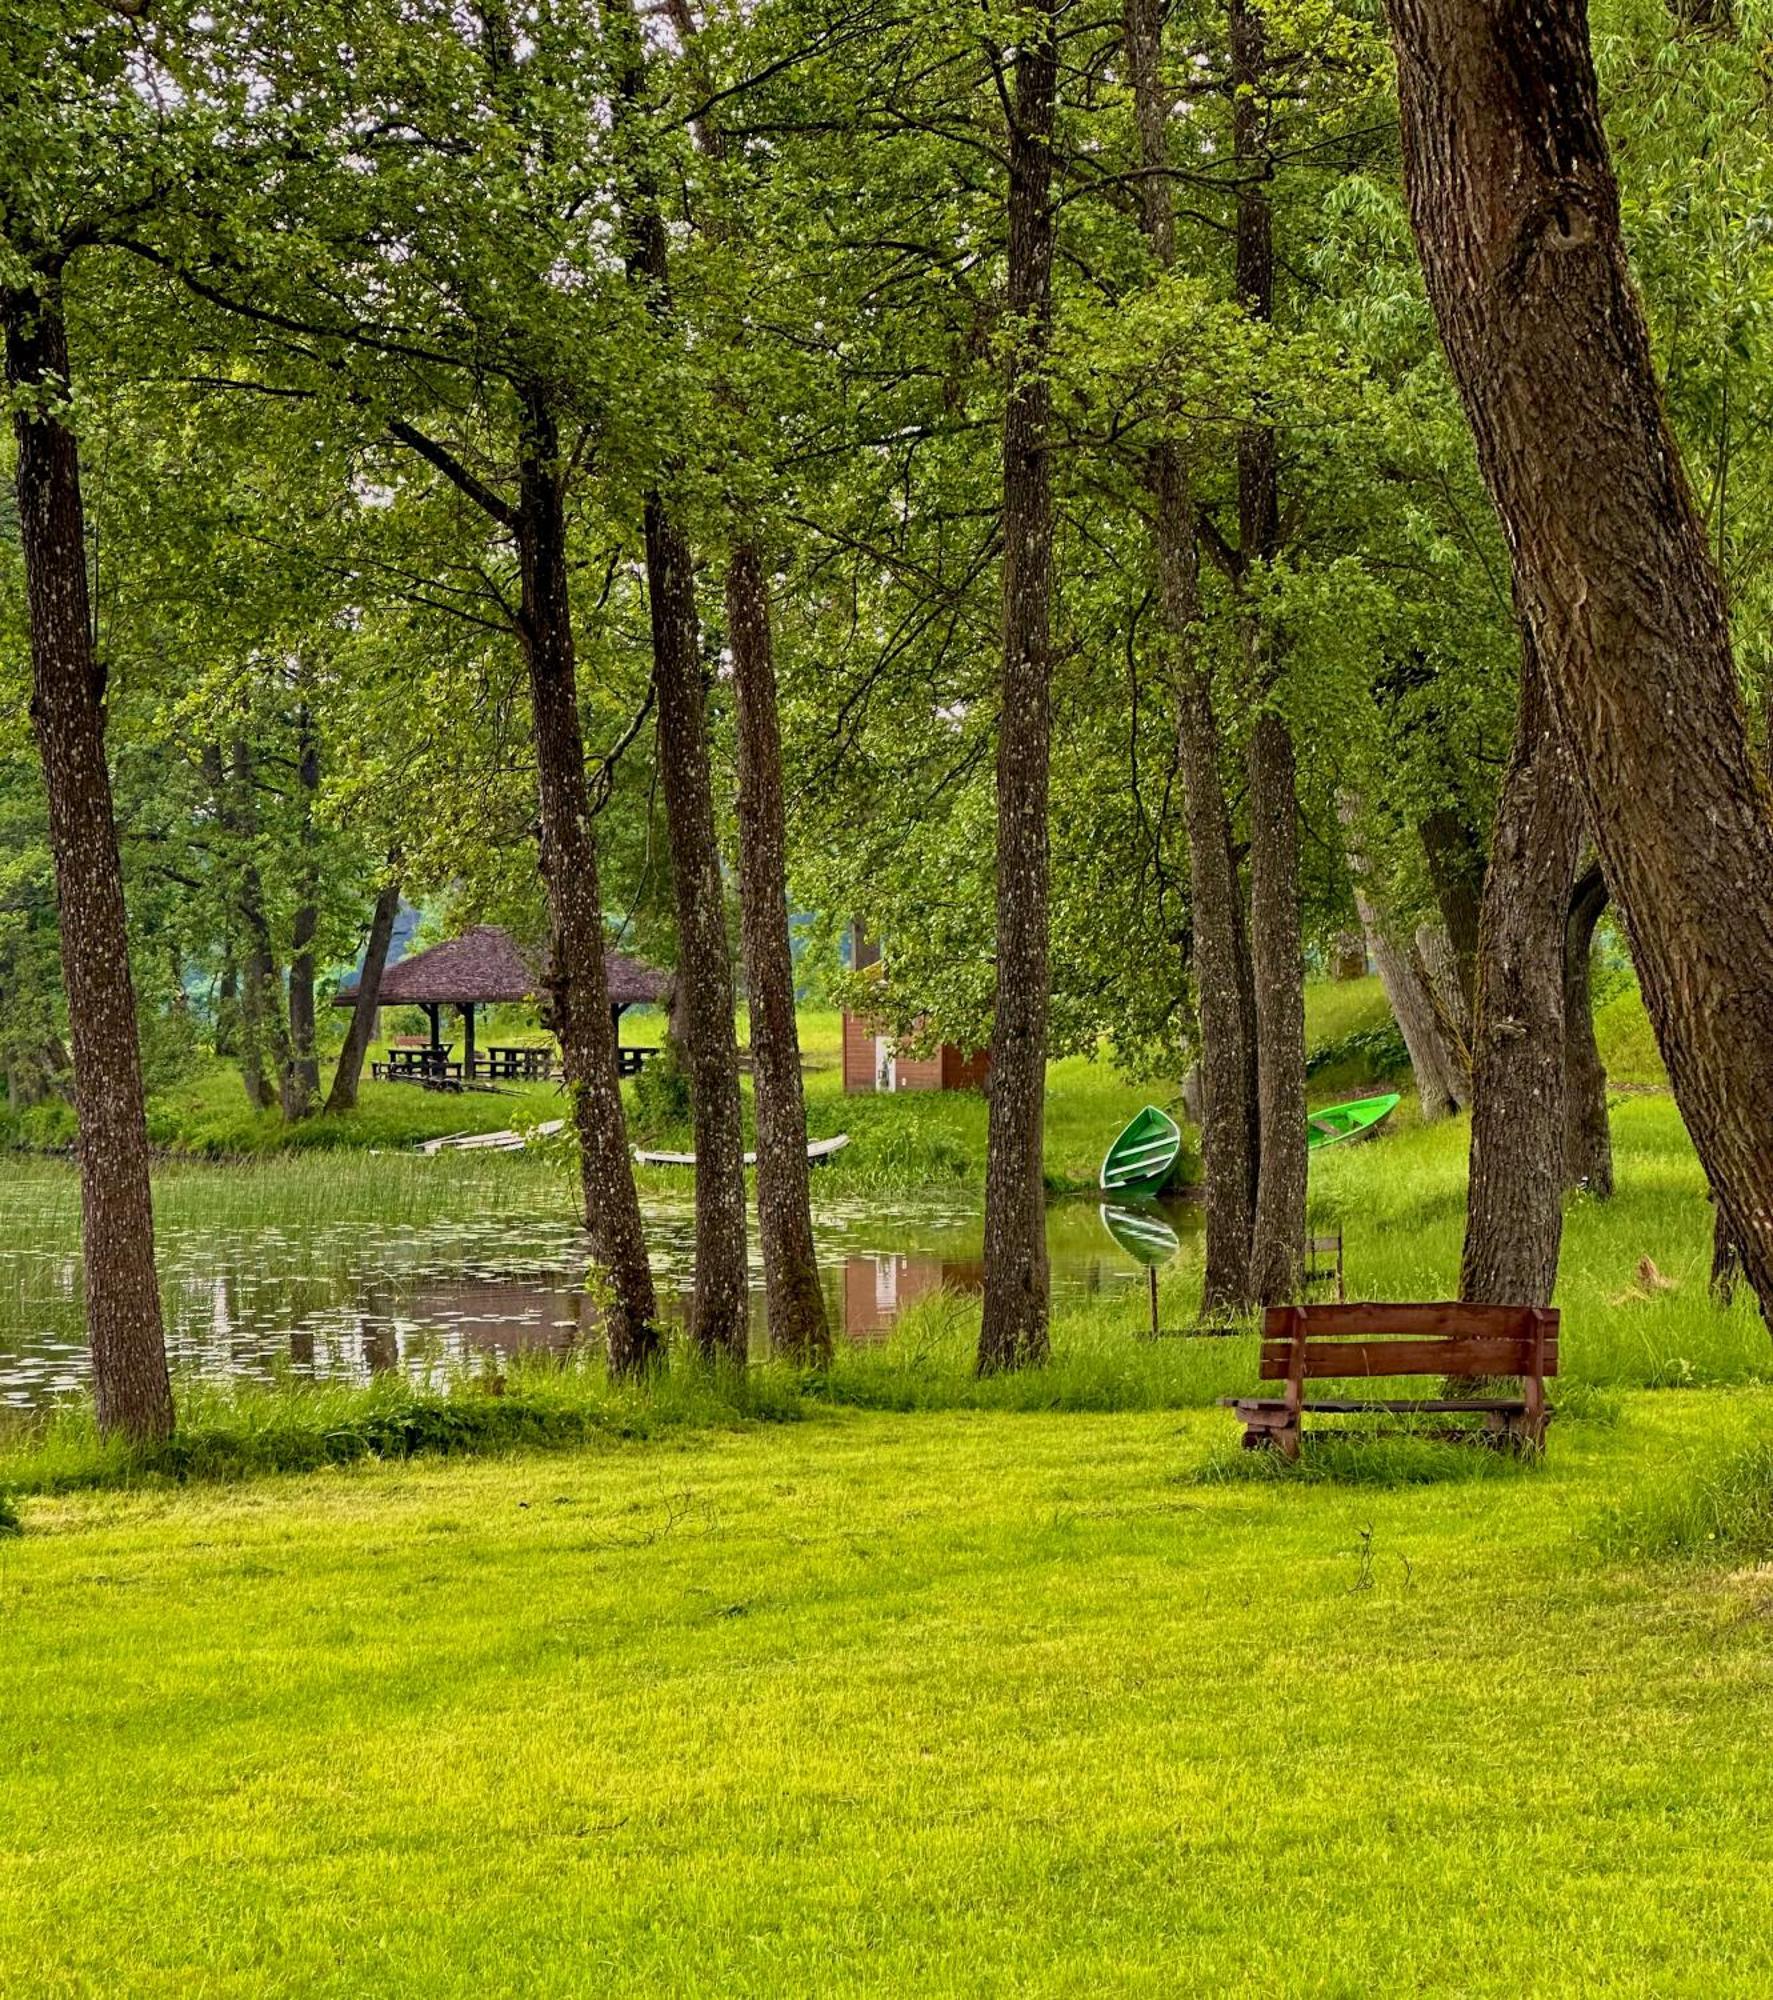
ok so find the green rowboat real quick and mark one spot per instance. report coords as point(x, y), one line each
point(1336, 1122)
point(1142, 1159)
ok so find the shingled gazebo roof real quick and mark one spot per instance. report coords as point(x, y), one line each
point(484, 965)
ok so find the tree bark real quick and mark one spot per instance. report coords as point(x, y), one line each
point(1227, 1109)
point(1013, 1330)
point(1514, 1217)
point(1516, 214)
point(301, 1085)
point(577, 978)
point(1438, 1078)
point(264, 1036)
point(131, 1387)
point(1726, 1258)
point(719, 1311)
point(794, 1298)
point(1588, 1140)
point(1455, 858)
point(349, 1074)
point(1436, 964)
point(1277, 959)
point(718, 1323)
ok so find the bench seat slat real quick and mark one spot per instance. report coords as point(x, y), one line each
point(1247, 1406)
point(1492, 1354)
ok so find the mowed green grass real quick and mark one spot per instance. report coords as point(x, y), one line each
point(959, 1704)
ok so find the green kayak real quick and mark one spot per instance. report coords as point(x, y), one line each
point(1142, 1159)
point(1336, 1122)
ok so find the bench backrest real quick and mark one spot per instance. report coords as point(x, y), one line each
point(1319, 1342)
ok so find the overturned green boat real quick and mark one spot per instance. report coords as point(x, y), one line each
point(1336, 1122)
point(1143, 1158)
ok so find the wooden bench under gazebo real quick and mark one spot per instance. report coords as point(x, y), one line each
point(484, 968)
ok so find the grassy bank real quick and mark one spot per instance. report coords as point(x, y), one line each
point(916, 1140)
point(955, 1704)
point(1398, 1200)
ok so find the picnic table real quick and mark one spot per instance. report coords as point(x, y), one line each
point(516, 1063)
point(426, 1064)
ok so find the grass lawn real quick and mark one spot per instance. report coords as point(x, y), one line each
point(960, 1703)
point(899, 1681)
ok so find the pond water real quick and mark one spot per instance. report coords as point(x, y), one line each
point(348, 1298)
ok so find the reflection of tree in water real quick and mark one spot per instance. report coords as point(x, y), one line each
point(381, 1346)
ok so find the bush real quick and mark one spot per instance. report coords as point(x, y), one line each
point(661, 1096)
point(1380, 1053)
point(10, 1524)
point(48, 1126)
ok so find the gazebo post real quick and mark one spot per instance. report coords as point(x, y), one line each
point(432, 1014)
point(468, 1041)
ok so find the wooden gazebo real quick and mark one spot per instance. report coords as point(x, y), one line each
point(483, 968)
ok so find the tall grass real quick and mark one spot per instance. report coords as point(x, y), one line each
point(1715, 1507)
point(236, 1430)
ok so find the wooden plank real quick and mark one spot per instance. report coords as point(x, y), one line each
point(1273, 1409)
point(1389, 1320)
point(1321, 1359)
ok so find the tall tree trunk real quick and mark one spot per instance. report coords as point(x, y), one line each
point(1455, 858)
point(1436, 1074)
point(227, 1005)
point(264, 1037)
point(1277, 959)
point(577, 978)
point(1228, 1117)
point(1437, 965)
point(1514, 1216)
point(349, 1074)
point(796, 1303)
point(130, 1383)
point(1516, 214)
point(1013, 1330)
point(301, 1088)
point(705, 972)
point(1588, 1140)
point(719, 1312)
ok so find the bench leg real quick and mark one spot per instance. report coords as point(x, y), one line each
point(1519, 1431)
point(1282, 1437)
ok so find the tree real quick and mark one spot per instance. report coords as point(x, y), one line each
point(1013, 1330)
point(1514, 1208)
point(1516, 213)
point(72, 118)
point(1223, 981)
point(793, 1298)
point(428, 310)
point(349, 1074)
point(131, 1386)
point(719, 1322)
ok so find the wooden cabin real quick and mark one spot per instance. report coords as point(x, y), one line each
point(870, 1061)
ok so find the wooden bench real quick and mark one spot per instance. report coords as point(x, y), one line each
point(1303, 1344)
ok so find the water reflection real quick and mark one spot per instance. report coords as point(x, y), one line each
point(352, 1300)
